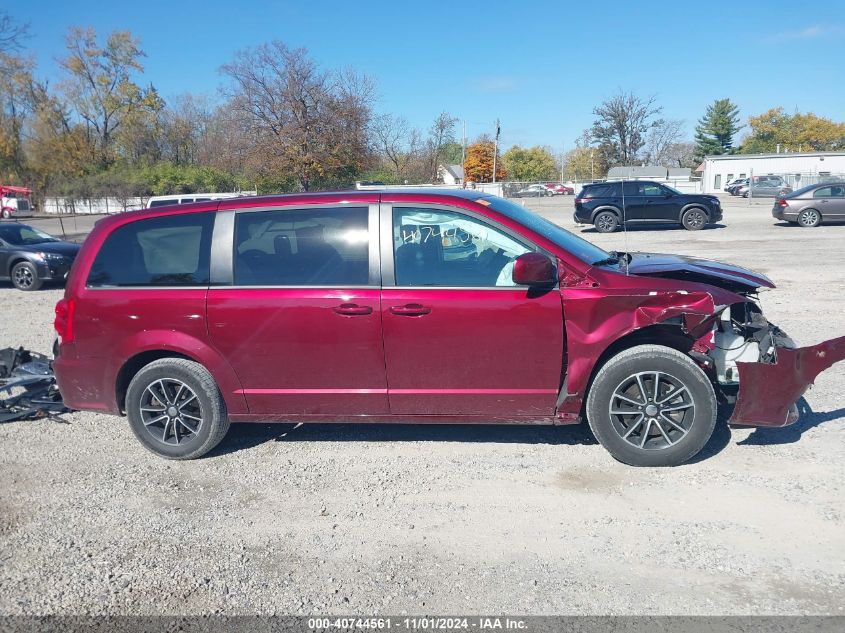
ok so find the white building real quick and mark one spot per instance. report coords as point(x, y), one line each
point(798, 169)
point(451, 174)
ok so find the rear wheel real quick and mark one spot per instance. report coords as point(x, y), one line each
point(25, 277)
point(175, 409)
point(694, 219)
point(606, 222)
point(809, 218)
point(652, 406)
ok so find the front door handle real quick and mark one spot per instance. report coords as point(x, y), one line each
point(411, 309)
point(352, 309)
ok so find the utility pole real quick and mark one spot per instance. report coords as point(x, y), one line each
point(464, 153)
point(562, 154)
point(496, 149)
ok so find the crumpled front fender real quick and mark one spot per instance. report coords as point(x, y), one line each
point(768, 392)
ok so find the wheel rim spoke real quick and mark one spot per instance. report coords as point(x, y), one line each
point(645, 433)
point(662, 432)
point(634, 426)
point(672, 395)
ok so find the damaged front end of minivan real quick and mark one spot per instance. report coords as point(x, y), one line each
point(761, 363)
point(710, 311)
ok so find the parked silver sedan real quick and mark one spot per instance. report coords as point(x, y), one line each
point(812, 205)
point(764, 189)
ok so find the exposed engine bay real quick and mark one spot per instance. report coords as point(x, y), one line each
point(743, 335)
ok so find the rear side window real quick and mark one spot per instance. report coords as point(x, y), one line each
point(161, 203)
point(167, 251)
point(314, 247)
point(598, 191)
point(830, 192)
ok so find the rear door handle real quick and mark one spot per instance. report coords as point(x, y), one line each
point(352, 309)
point(412, 309)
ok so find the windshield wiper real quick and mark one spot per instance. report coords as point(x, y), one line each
point(614, 258)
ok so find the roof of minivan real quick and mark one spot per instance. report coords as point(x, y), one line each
point(305, 196)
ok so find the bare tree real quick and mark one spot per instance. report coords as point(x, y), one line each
point(660, 137)
point(621, 125)
point(392, 137)
point(306, 122)
point(681, 155)
point(12, 34)
point(441, 133)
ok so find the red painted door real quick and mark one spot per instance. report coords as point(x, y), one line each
point(301, 324)
point(460, 338)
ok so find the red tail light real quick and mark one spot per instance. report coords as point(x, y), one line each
point(579, 200)
point(783, 202)
point(64, 319)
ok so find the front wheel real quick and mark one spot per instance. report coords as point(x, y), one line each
point(606, 222)
point(175, 409)
point(25, 276)
point(652, 406)
point(694, 219)
point(6, 214)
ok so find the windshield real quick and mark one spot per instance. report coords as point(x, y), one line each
point(586, 251)
point(22, 235)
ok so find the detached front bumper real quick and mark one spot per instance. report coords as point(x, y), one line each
point(768, 391)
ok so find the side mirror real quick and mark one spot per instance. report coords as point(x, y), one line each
point(534, 269)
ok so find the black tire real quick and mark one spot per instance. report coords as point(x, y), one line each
point(606, 222)
point(671, 443)
point(25, 276)
point(808, 218)
point(195, 441)
point(694, 219)
point(6, 214)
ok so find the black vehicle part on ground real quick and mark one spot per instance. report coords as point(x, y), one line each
point(27, 386)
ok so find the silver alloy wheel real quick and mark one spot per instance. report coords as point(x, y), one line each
point(23, 277)
point(170, 411)
point(652, 410)
point(605, 222)
point(695, 218)
point(809, 217)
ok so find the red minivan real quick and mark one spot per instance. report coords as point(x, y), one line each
point(412, 306)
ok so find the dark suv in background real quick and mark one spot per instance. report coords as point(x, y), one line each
point(607, 205)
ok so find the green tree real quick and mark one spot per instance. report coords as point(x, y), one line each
point(584, 163)
point(530, 164)
point(99, 84)
point(715, 131)
point(795, 132)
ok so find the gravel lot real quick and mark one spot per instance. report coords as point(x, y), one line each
point(362, 519)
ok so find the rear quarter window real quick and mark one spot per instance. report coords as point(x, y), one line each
point(168, 251)
point(598, 191)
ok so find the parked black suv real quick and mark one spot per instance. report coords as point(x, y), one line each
point(601, 204)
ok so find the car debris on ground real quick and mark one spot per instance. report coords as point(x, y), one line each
point(28, 388)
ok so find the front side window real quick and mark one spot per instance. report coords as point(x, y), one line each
point(313, 247)
point(652, 190)
point(447, 249)
point(168, 251)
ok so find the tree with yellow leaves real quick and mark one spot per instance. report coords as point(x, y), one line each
point(795, 132)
